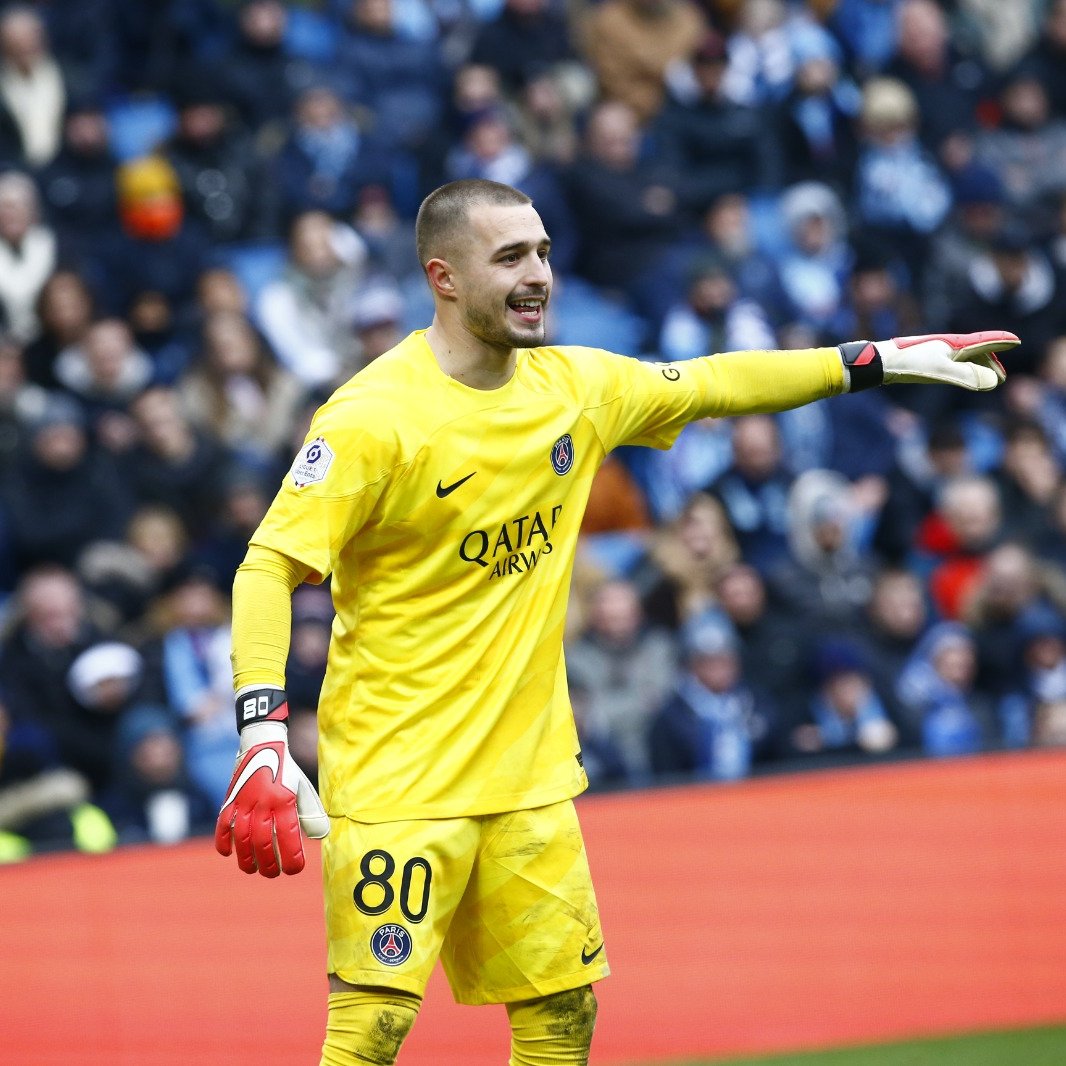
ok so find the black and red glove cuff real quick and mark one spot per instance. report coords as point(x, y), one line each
point(864, 364)
point(262, 705)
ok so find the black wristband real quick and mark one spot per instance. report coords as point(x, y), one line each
point(863, 361)
point(262, 705)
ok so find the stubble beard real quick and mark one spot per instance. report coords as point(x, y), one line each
point(489, 328)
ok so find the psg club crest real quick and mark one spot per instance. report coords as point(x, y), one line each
point(391, 944)
point(563, 454)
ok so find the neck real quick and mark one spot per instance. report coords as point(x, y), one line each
point(471, 361)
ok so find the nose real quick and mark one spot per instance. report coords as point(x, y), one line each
point(538, 271)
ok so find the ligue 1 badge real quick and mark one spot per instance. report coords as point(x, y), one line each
point(563, 454)
point(391, 944)
point(312, 464)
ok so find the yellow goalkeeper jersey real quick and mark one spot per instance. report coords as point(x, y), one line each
point(448, 518)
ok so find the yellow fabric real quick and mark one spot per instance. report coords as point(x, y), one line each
point(262, 616)
point(450, 537)
point(367, 1027)
point(146, 177)
point(556, 1031)
point(507, 904)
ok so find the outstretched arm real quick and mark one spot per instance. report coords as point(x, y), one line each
point(269, 798)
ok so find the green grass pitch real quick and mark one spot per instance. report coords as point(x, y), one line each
point(1025, 1047)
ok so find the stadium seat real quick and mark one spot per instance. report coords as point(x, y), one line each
point(138, 124)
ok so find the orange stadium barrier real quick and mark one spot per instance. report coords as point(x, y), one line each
point(782, 913)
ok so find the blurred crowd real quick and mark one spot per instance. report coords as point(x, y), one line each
point(206, 224)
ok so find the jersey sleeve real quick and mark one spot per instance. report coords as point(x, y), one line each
point(330, 491)
point(634, 402)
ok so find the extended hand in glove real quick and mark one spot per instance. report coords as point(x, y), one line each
point(964, 359)
point(269, 797)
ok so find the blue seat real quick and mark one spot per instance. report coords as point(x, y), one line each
point(139, 124)
point(583, 315)
point(255, 264)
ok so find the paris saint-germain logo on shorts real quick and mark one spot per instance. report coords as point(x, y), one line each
point(391, 944)
point(563, 454)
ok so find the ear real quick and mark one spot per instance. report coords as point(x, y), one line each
point(441, 278)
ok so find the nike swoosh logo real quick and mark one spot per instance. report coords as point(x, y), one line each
point(267, 757)
point(588, 956)
point(447, 490)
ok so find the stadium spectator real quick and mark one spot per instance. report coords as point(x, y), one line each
point(151, 797)
point(40, 799)
point(625, 208)
point(20, 402)
point(1027, 149)
point(1014, 283)
point(954, 542)
point(938, 694)
point(104, 371)
point(172, 463)
point(399, 79)
point(28, 251)
point(305, 313)
point(32, 89)
point(712, 317)
point(377, 320)
point(78, 185)
point(1047, 57)
point(224, 180)
point(754, 491)
point(1027, 476)
point(948, 86)
point(237, 393)
point(978, 215)
point(716, 724)
point(525, 41)
point(717, 145)
point(158, 253)
point(312, 617)
point(630, 46)
point(845, 713)
point(772, 647)
point(817, 260)
point(685, 561)
point(895, 618)
point(901, 196)
point(63, 493)
point(65, 310)
point(1013, 584)
point(51, 628)
point(624, 668)
point(816, 121)
point(260, 78)
point(1041, 633)
point(327, 158)
point(826, 580)
point(195, 647)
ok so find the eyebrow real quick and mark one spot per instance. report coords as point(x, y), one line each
point(521, 246)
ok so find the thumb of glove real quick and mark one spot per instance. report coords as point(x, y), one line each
point(313, 818)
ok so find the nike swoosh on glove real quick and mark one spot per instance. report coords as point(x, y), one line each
point(964, 359)
point(268, 802)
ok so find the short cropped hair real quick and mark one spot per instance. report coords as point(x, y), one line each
point(444, 212)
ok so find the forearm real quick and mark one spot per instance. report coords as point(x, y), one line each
point(742, 383)
point(262, 616)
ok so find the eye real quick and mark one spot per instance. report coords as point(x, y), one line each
point(511, 257)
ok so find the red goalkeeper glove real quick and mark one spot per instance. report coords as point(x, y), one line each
point(269, 798)
point(964, 359)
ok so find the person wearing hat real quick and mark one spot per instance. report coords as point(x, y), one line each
point(844, 713)
point(64, 493)
point(152, 262)
point(716, 724)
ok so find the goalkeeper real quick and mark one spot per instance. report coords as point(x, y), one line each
point(441, 490)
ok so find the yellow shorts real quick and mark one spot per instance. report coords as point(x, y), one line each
point(504, 900)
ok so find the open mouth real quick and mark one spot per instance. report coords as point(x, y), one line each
point(529, 310)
